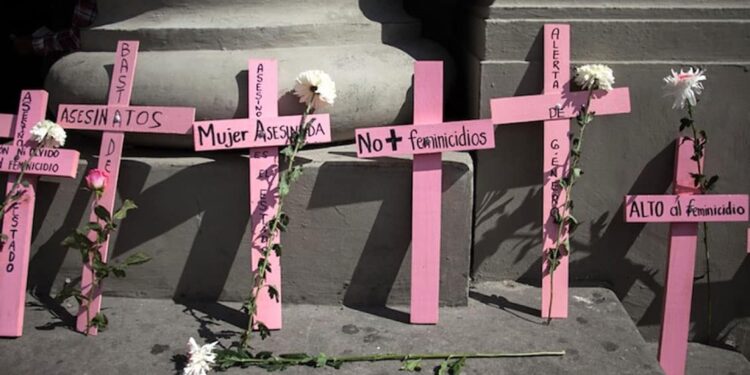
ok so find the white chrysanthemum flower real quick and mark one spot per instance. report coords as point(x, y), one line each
point(201, 358)
point(684, 86)
point(317, 86)
point(597, 75)
point(48, 134)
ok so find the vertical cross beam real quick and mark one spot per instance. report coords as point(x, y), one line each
point(678, 288)
point(110, 154)
point(18, 222)
point(556, 165)
point(264, 185)
point(426, 192)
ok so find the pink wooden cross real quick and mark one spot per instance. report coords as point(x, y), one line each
point(114, 120)
point(19, 218)
point(263, 132)
point(683, 211)
point(426, 140)
point(556, 106)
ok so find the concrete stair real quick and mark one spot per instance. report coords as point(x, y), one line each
point(194, 53)
point(623, 154)
point(149, 336)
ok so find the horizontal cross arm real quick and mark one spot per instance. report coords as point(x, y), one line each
point(252, 133)
point(47, 162)
point(134, 119)
point(424, 139)
point(557, 106)
point(686, 208)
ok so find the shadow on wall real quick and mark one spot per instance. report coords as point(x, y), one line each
point(382, 264)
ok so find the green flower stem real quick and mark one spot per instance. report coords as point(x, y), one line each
point(94, 280)
point(260, 279)
point(703, 190)
point(575, 157)
point(394, 357)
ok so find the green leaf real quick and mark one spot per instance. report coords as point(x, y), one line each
point(276, 249)
point(118, 272)
point(709, 185)
point(703, 136)
point(273, 293)
point(563, 182)
point(92, 226)
point(263, 330)
point(572, 223)
point(100, 321)
point(25, 183)
point(263, 266)
point(321, 360)
point(685, 123)
point(283, 187)
point(77, 240)
point(287, 151)
point(295, 173)
point(442, 369)
point(102, 213)
point(227, 358)
point(264, 355)
point(411, 365)
point(137, 258)
point(3, 238)
point(697, 178)
point(556, 216)
point(122, 213)
point(457, 366)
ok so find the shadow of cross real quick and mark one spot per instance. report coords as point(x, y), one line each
point(684, 211)
point(114, 120)
point(427, 139)
point(263, 132)
point(18, 218)
point(555, 107)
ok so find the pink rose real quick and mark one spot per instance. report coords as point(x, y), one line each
point(96, 179)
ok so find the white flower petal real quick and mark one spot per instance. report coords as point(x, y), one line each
point(200, 358)
point(597, 75)
point(315, 87)
point(684, 86)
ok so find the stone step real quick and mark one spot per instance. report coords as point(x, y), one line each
point(348, 241)
point(633, 31)
point(241, 25)
point(149, 336)
point(703, 359)
point(373, 82)
point(623, 154)
point(624, 9)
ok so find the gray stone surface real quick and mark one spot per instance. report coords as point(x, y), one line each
point(703, 359)
point(242, 24)
point(348, 241)
point(194, 53)
point(623, 154)
point(145, 335)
